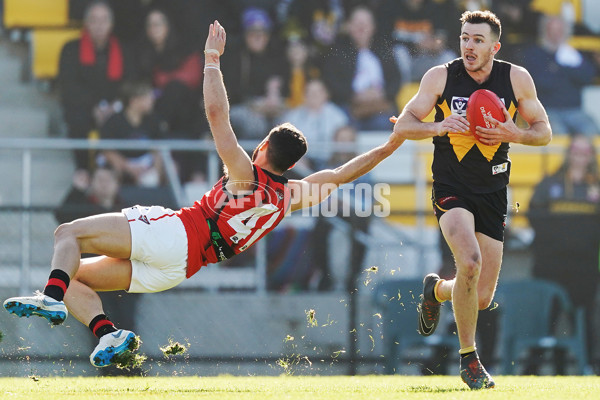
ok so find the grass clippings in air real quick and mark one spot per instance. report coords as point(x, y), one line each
point(311, 318)
point(173, 349)
point(130, 360)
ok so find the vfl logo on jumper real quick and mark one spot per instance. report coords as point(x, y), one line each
point(144, 219)
point(458, 105)
point(500, 168)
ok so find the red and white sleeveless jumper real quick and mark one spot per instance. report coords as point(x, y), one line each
point(241, 220)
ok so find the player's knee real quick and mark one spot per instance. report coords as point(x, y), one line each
point(67, 231)
point(470, 267)
point(485, 301)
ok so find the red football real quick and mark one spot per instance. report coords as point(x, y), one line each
point(483, 102)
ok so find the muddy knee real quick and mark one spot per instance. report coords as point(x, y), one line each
point(470, 268)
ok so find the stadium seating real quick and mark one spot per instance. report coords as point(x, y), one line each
point(400, 167)
point(46, 46)
point(526, 308)
point(406, 206)
point(397, 300)
point(406, 92)
point(585, 43)
point(555, 7)
point(35, 13)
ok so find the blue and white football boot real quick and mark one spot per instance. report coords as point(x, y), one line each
point(111, 346)
point(41, 305)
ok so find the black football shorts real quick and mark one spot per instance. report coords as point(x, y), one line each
point(489, 209)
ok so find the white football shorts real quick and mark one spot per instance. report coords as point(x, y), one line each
point(158, 248)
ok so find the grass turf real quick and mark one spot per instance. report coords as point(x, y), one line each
point(296, 387)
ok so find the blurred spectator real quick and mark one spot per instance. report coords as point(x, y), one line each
point(317, 20)
point(253, 76)
point(560, 72)
point(519, 27)
point(565, 215)
point(420, 40)
point(318, 119)
point(174, 66)
point(175, 70)
point(299, 70)
point(327, 272)
point(195, 16)
point(268, 6)
point(90, 73)
point(135, 122)
point(363, 78)
point(128, 16)
point(90, 195)
point(472, 5)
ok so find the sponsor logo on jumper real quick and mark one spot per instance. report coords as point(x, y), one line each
point(500, 168)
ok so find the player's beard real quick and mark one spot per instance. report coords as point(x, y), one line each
point(482, 62)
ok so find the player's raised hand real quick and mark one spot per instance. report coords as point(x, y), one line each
point(216, 38)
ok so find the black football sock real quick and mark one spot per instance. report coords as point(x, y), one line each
point(57, 285)
point(467, 352)
point(101, 325)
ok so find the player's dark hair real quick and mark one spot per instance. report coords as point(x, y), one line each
point(483, 17)
point(286, 146)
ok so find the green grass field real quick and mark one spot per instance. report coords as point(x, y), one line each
point(297, 387)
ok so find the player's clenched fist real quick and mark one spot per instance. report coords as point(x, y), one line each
point(216, 38)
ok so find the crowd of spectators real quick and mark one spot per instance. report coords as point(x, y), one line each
point(332, 68)
point(136, 72)
point(320, 63)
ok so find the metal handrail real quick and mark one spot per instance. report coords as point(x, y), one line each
point(27, 145)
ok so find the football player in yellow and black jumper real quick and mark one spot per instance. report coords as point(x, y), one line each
point(470, 176)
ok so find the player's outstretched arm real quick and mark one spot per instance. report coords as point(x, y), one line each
point(317, 187)
point(409, 124)
point(237, 161)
